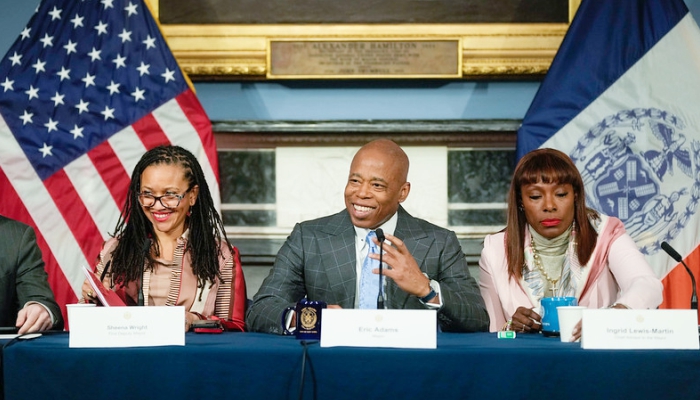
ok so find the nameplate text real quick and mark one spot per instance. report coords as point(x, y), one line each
point(639, 329)
point(126, 326)
point(413, 329)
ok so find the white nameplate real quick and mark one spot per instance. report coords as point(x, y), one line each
point(640, 329)
point(126, 326)
point(409, 329)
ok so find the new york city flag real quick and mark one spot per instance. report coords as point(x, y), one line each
point(622, 99)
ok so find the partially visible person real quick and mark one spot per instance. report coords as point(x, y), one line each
point(169, 247)
point(26, 300)
point(323, 259)
point(553, 245)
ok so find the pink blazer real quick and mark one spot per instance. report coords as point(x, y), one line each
point(624, 276)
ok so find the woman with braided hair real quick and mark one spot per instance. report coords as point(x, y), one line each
point(169, 247)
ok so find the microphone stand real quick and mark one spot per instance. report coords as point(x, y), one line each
point(146, 249)
point(380, 296)
point(694, 296)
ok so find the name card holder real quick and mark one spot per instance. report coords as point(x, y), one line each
point(126, 326)
point(410, 329)
point(640, 329)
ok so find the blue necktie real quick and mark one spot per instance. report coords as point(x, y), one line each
point(369, 282)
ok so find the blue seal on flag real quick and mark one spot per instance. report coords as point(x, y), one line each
point(639, 166)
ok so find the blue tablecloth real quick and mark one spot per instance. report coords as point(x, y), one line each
point(248, 366)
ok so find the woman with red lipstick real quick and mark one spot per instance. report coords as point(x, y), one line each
point(553, 245)
point(170, 247)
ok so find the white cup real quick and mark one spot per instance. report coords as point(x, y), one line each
point(569, 316)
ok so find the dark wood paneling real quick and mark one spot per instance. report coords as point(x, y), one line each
point(451, 133)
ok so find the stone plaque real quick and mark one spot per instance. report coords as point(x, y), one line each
point(364, 59)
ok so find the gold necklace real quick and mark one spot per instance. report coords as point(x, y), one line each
point(543, 272)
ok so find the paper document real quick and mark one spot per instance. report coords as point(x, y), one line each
point(107, 298)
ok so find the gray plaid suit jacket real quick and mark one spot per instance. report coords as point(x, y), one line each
point(318, 261)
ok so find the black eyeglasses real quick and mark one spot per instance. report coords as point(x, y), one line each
point(167, 200)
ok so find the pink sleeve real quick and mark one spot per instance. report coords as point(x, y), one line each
point(639, 286)
point(488, 288)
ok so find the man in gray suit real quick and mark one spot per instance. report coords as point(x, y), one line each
point(322, 258)
point(26, 300)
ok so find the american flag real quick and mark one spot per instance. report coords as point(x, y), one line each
point(85, 90)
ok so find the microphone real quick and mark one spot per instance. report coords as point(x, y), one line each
point(104, 271)
point(380, 297)
point(674, 254)
point(146, 248)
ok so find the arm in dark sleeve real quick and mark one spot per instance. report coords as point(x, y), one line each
point(32, 281)
point(283, 287)
point(463, 307)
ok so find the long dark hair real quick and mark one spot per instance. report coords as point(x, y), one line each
point(546, 166)
point(135, 232)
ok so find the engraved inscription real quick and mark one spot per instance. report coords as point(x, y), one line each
point(356, 59)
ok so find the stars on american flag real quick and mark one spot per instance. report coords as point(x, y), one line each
point(77, 132)
point(101, 28)
point(138, 94)
point(143, 68)
point(113, 87)
point(125, 36)
point(46, 150)
point(26, 117)
point(168, 75)
point(58, 99)
point(150, 42)
point(51, 125)
point(95, 54)
point(131, 9)
point(119, 61)
point(77, 21)
point(47, 40)
point(55, 13)
point(33, 92)
point(39, 66)
point(63, 73)
point(77, 72)
point(16, 59)
point(89, 80)
point(82, 106)
point(7, 85)
point(70, 47)
point(108, 113)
